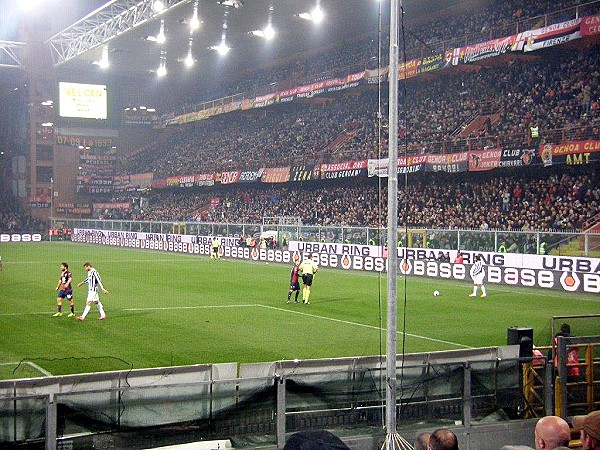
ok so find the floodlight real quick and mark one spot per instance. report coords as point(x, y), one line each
point(269, 32)
point(158, 6)
point(232, 3)
point(162, 68)
point(160, 37)
point(194, 21)
point(189, 59)
point(104, 63)
point(317, 15)
point(222, 49)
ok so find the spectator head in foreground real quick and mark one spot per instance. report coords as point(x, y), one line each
point(552, 432)
point(590, 430)
point(422, 441)
point(443, 439)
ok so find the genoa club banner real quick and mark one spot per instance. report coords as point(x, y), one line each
point(571, 153)
point(549, 36)
point(452, 163)
point(484, 159)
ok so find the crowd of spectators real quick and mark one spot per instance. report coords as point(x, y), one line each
point(550, 200)
point(14, 219)
point(559, 92)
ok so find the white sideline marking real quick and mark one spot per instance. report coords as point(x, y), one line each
point(172, 308)
point(347, 322)
point(29, 363)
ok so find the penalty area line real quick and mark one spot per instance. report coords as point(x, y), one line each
point(31, 364)
point(372, 327)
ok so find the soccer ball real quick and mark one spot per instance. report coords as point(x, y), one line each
point(436, 293)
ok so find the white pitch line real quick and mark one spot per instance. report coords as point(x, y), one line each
point(29, 363)
point(347, 322)
point(331, 319)
point(171, 308)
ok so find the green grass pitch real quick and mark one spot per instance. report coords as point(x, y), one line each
point(168, 309)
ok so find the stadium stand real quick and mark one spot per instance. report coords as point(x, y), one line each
point(559, 94)
point(550, 200)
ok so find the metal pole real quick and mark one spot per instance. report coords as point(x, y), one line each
point(392, 223)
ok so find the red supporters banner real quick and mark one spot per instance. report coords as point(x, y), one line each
point(113, 205)
point(452, 163)
point(172, 181)
point(408, 69)
point(484, 159)
point(590, 26)
point(264, 100)
point(230, 177)
point(276, 175)
point(488, 49)
point(141, 180)
point(159, 184)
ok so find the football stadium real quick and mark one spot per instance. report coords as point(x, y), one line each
point(200, 202)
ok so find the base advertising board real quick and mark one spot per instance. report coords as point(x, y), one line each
point(528, 271)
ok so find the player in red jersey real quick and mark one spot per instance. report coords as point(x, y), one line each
point(65, 290)
point(294, 280)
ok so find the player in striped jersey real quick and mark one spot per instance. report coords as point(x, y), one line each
point(294, 279)
point(65, 290)
point(478, 274)
point(94, 282)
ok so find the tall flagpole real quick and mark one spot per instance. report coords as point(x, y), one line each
point(392, 224)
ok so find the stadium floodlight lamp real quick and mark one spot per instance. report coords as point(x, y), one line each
point(160, 37)
point(189, 59)
point(317, 15)
point(158, 6)
point(162, 68)
point(194, 21)
point(104, 63)
point(269, 32)
point(222, 49)
point(48, 124)
point(47, 103)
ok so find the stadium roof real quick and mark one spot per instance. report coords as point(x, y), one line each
point(132, 55)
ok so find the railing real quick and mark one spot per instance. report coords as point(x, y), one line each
point(265, 399)
point(270, 400)
point(445, 239)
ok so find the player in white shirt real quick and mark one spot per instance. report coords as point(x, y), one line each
point(478, 274)
point(94, 282)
